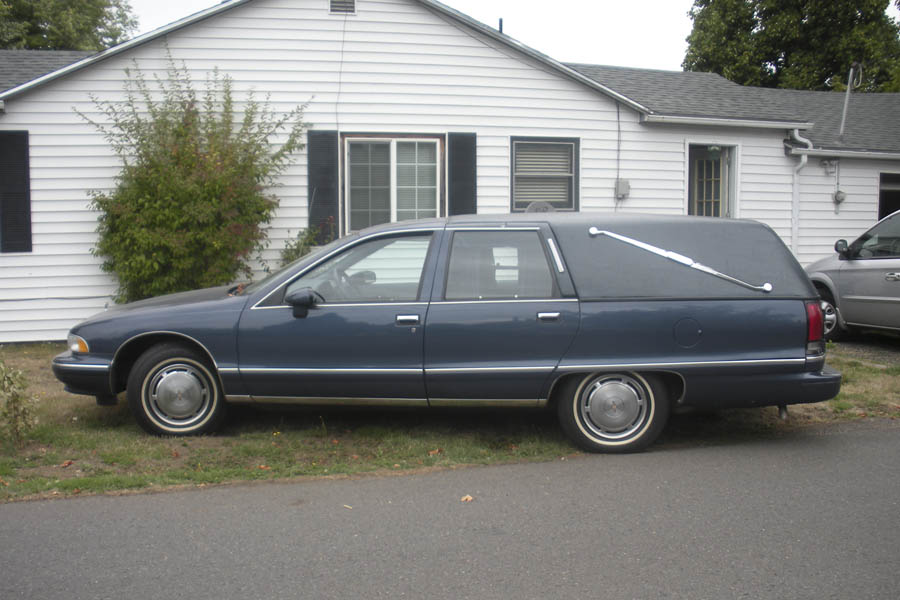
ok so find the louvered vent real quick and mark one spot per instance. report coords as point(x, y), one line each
point(345, 7)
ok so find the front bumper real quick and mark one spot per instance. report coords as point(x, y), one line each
point(82, 374)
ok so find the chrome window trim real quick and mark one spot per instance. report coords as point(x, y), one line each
point(338, 250)
point(508, 301)
point(556, 257)
point(348, 304)
point(489, 228)
point(669, 365)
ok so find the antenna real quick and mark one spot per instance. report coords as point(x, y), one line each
point(851, 83)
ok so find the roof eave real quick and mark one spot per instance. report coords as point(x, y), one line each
point(532, 53)
point(124, 46)
point(724, 122)
point(826, 153)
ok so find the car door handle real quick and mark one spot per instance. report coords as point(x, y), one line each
point(407, 319)
point(548, 316)
point(892, 277)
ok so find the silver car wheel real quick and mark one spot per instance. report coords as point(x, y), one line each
point(830, 316)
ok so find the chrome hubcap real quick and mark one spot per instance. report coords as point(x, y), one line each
point(179, 394)
point(830, 316)
point(614, 406)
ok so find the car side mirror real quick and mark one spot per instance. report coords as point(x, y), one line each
point(841, 248)
point(302, 300)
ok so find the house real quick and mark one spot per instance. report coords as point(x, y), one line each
point(416, 109)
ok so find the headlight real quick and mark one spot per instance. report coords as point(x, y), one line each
point(77, 344)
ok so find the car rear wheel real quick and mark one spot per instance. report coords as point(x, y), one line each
point(613, 412)
point(173, 390)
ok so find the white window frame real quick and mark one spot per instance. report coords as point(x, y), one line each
point(440, 200)
point(574, 143)
point(734, 173)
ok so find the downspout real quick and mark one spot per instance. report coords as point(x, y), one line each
point(795, 191)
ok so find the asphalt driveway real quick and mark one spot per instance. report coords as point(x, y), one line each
point(814, 514)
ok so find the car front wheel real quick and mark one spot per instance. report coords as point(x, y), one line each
point(613, 412)
point(173, 390)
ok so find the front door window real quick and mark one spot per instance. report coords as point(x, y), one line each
point(709, 187)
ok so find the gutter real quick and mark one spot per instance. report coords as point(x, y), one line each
point(724, 122)
point(844, 153)
point(795, 190)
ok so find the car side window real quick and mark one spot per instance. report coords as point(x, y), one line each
point(379, 270)
point(498, 265)
point(882, 241)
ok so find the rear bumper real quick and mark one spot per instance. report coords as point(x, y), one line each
point(763, 389)
point(86, 375)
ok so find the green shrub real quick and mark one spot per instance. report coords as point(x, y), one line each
point(190, 205)
point(305, 241)
point(16, 408)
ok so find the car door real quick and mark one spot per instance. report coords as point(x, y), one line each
point(869, 282)
point(499, 319)
point(360, 343)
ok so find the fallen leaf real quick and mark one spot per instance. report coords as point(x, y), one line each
point(67, 464)
point(354, 456)
point(348, 507)
point(396, 466)
point(265, 467)
point(175, 453)
point(435, 452)
point(335, 442)
point(513, 447)
point(76, 491)
point(2, 482)
point(466, 498)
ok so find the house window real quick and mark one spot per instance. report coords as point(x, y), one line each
point(544, 170)
point(391, 179)
point(709, 189)
point(343, 7)
point(15, 192)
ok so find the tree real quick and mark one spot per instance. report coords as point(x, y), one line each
point(65, 24)
point(190, 205)
point(797, 44)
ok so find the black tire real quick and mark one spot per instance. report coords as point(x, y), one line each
point(189, 403)
point(833, 329)
point(628, 415)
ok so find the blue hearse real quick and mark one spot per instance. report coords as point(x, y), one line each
point(613, 319)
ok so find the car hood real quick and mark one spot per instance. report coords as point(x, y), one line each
point(167, 301)
point(829, 263)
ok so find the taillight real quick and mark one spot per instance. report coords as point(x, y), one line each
point(815, 329)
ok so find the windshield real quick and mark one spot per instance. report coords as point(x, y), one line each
point(275, 275)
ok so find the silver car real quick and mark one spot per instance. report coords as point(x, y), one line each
point(860, 285)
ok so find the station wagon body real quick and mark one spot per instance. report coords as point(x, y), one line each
point(613, 319)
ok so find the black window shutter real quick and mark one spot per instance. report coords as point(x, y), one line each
point(462, 198)
point(322, 193)
point(15, 192)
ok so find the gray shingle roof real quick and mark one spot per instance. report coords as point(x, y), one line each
point(873, 120)
point(20, 66)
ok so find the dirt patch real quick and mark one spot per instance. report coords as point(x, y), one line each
point(878, 349)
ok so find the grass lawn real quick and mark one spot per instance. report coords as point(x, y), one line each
point(78, 447)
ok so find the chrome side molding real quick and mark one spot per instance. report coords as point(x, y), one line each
point(680, 259)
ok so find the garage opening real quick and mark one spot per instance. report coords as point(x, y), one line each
point(889, 195)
